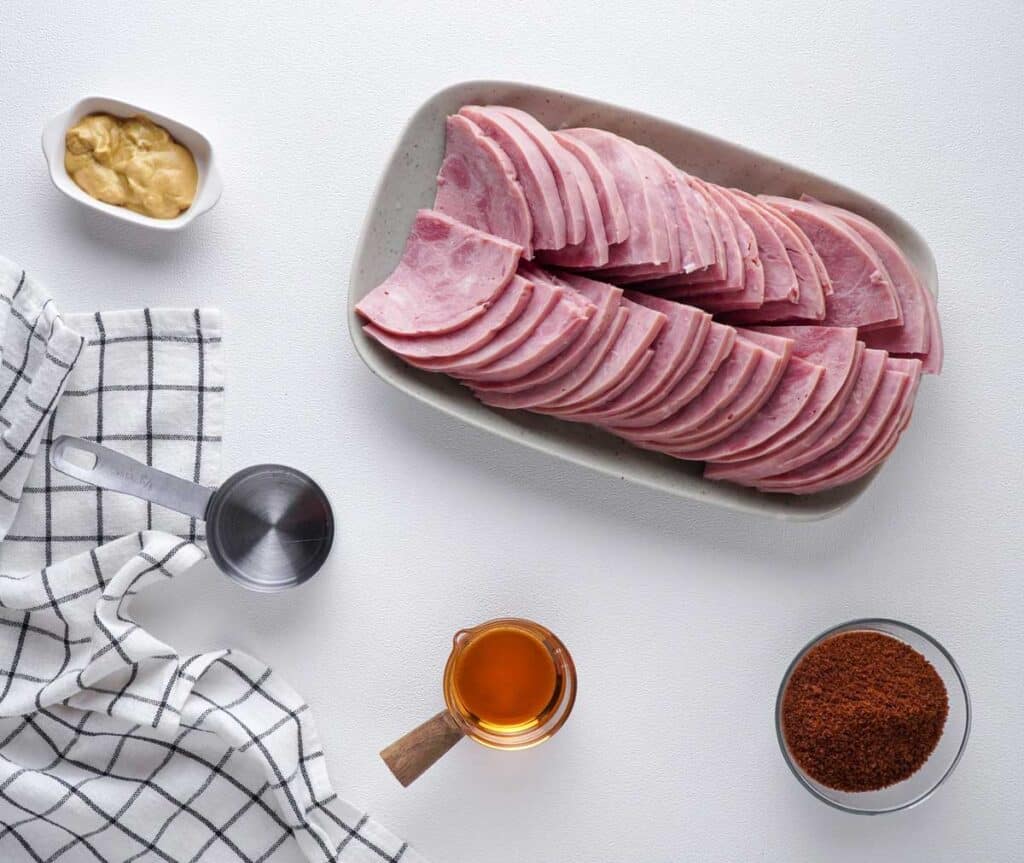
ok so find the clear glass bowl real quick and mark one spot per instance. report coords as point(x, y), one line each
point(942, 761)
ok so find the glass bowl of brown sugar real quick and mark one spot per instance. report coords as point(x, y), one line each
point(872, 716)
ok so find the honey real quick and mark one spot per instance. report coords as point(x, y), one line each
point(509, 682)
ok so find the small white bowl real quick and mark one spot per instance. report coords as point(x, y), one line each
point(207, 192)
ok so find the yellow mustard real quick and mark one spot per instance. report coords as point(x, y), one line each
point(132, 163)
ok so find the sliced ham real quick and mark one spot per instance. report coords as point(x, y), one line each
point(863, 294)
point(592, 251)
point(834, 350)
point(477, 185)
point(829, 431)
point(533, 172)
point(673, 354)
point(562, 326)
point(573, 378)
point(759, 387)
point(475, 335)
point(727, 383)
point(629, 349)
point(647, 242)
point(886, 402)
point(780, 283)
point(714, 351)
point(561, 166)
point(607, 300)
point(932, 361)
point(795, 387)
point(543, 299)
point(616, 222)
point(449, 275)
point(913, 336)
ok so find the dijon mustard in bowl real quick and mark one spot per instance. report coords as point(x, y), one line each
point(131, 163)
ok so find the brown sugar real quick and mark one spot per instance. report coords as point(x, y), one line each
point(862, 711)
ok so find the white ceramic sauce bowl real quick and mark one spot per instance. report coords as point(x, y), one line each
point(408, 182)
point(207, 193)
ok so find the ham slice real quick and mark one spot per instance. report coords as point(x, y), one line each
point(913, 336)
point(932, 361)
point(796, 385)
point(716, 348)
point(620, 363)
point(449, 275)
point(561, 166)
point(829, 431)
point(886, 402)
point(613, 212)
point(562, 326)
point(477, 185)
point(543, 299)
point(475, 335)
point(863, 294)
point(762, 383)
point(553, 390)
point(805, 397)
point(592, 251)
point(727, 383)
point(607, 300)
point(673, 354)
point(647, 242)
point(780, 283)
point(532, 170)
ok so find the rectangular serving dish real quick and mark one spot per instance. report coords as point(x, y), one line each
point(408, 184)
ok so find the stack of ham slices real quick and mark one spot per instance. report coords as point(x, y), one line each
point(578, 274)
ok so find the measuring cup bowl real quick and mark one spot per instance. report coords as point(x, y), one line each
point(269, 527)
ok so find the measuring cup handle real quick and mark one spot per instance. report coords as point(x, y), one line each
point(409, 757)
point(113, 471)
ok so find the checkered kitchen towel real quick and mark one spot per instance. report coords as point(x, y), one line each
point(148, 383)
point(112, 746)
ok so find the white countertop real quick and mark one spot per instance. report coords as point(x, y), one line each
point(681, 617)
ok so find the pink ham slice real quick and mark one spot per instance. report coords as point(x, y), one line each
point(802, 397)
point(727, 381)
point(625, 382)
point(770, 368)
point(477, 185)
point(932, 361)
point(673, 353)
point(789, 397)
point(621, 361)
point(592, 251)
point(533, 172)
point(834, 425)
point(574, 378)
point(882, 448)
point(475, 335)
point(543, 300)
point(714, 351)
point(613, 212)
point(863, 294)
point(562, 168)
point(884, 405)
point(563, 325)
point(607, 300)
point(780, 283)
point(913, 336)
point(647, 242)
point(449, 275)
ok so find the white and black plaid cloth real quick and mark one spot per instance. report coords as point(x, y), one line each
point(149, 383)
point(113, 747)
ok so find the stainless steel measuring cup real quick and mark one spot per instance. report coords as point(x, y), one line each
point(269, 527)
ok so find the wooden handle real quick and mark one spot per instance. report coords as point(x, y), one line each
point(410, 756)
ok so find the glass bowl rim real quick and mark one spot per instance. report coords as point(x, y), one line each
point(872, 624)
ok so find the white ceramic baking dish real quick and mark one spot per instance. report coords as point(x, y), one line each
point(407, 184)
point(207, 193)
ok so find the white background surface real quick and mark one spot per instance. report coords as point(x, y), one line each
point(681, 617)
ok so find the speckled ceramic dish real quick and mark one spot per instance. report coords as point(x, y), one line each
point(407, 184)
